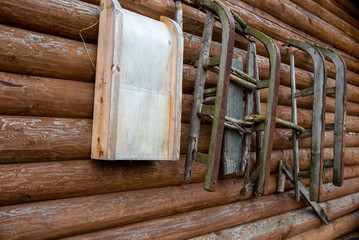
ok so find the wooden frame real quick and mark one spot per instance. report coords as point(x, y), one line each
point(138, 91)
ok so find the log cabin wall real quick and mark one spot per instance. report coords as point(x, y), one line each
point(49, 186)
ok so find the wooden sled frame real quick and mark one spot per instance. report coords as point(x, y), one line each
point(212, 159)
point(266, 123)
point(247, 80)
point(317, 165)
point(137, 109)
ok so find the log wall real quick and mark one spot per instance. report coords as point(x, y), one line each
point(49, 186)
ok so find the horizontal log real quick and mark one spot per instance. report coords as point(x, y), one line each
point(32, 53)
point(67, 217)
point(63, 179)
point(348, 7)
point(55, 17)
point(64, 62)
point(309, 23)
point(152, 9)
point(47, 97)
point(337, 228)
point(281, 31)
point(328, 4)
point(28, 139)
point(329, 17)
point(207, 220)
point(302, 221)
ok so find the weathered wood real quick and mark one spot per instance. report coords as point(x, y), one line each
point(294, 222)
point(200, 222)
point(232, 140)
point(328, 4)
point(39, 54)
point(76, 65)
point(36, 15)
point(334, 230)
point(29, 139)
point(38, 96)
point(316, 9)
point(137, 110)
point(53, 180)
point(156, 9)
point(347, 6)
point(33, 138)
point(309, 23)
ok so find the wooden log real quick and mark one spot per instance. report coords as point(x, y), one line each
point(281, 31)
point(348, 7)
point(309, 23)
point(32, 53)
point(327, 4)
point(207, 220)
point(47, 16)
point(37, 96)
point(288, 224)
point(76, 65)
point(334, 230)
point(63, 179)
point(28, 139)
point(329, 17)
point(148, 8)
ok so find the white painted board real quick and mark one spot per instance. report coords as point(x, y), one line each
point(138, 90)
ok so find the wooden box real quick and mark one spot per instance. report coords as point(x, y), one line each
point(138, 90)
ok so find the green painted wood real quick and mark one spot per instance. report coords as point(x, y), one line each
point(232, 140)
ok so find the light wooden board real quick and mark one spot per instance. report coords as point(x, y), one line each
point(138, 92)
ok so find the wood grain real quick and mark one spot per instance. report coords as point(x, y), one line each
point(48, 97)
point(55, 17)
point(29, 139)
point(154, 9)
point(296, 222)
point(329, 17)
point(199, 222)
point(309, 23)
point(337, 228)
point(30, 182)
point(32, 53)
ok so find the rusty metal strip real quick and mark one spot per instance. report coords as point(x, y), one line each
point(318, 121)
point(339, 115)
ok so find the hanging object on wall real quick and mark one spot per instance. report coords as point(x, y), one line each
point(138, 90)
point(316, 174)
point(226, 112)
